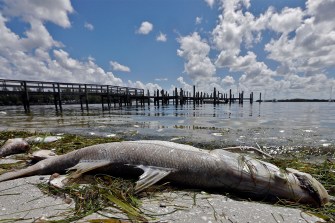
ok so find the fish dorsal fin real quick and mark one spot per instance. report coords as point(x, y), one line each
point(85, 166)
point(150, 176)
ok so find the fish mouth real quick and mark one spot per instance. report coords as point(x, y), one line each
point(314, 188)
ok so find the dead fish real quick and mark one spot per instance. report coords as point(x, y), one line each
point(153, 161)
point(14, 146)
point(20, 145)
point(46, 139)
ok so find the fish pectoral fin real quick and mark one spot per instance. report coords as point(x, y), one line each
point(85, 166)
point(150, 176)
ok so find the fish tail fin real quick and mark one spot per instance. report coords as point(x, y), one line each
point(43, 167)
point(20, 173)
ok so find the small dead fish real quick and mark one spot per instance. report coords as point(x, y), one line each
point(46, 139)
point(20, 145)
point(14, 146)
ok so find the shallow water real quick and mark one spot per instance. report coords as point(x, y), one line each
point(278, 124)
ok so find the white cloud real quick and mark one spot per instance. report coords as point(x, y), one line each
point(237, 28)
point(184, 85)
point(119, 67)
point(148, 86)
point(198, 20)
point(228, 80)
point(38, 37)
point(221, 84)
point(47, 10)
point(301, 49)
point(321, 10)
point(210, 3)
point(287, 21)
point(146, 28)
point(304, 46)
point(28, 57)
point(161, 79)
point(161, 37)
point(312, 49)
point(89, 26)
point(195, 51)
point(37, 56)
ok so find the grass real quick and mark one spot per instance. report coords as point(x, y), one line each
point(116, 196)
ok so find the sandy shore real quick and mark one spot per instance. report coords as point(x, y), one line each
point(22, 201)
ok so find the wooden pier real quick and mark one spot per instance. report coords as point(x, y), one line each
point(60, 93)
point(30, 93)
point(184, 97)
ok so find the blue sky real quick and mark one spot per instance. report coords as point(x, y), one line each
point(286, 48)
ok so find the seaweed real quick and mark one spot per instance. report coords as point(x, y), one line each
point(103, 194)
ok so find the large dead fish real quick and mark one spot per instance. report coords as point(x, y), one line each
point(186, 165)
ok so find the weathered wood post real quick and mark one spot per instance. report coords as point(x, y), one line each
point(158, 97)
point(163, 97)
point(260, 97)
point(118, 98)
point(102, 98)
point(181, 97)
point(148, 94)
point(188, 96)
point(214, 96)
point(25, 97)
point(242, 94)
point(230, 96)
point(166, 98)
point(127, 98)
point(86, 97)
point(81, 98)
point(173, 98)
point(155, 98)
point(136, 97)
point(251, 97)
point(108, 98)
point(143, 98)
point(194, 95)
point(176, 95)
point(59, 97)
point(55, 97)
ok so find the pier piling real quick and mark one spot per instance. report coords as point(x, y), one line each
point(61, 93)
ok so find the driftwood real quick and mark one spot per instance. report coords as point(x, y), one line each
point(248, 148)
point(153, 161)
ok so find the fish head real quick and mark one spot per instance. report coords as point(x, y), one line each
point(310, 185)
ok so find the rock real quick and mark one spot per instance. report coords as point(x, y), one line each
point(43, 154)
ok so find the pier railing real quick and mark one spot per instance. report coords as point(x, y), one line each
point(58, 91)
